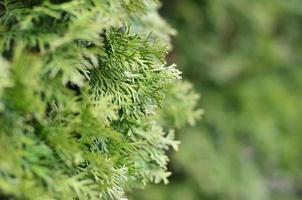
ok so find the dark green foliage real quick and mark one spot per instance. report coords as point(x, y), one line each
point(244, 56)
point(79, 93)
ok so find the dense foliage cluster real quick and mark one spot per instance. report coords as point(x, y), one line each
point(81, 86)
point(245, 58)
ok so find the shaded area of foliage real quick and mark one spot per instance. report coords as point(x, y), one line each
point(245, 58)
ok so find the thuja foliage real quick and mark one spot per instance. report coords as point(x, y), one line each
point(81, 86)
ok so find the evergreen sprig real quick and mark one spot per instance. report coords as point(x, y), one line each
point(79, 91)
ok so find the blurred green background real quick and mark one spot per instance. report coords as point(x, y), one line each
point(245, 58)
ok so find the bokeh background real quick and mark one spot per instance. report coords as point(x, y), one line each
point(245, 58)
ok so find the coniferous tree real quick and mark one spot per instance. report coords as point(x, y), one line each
point(81, 86)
